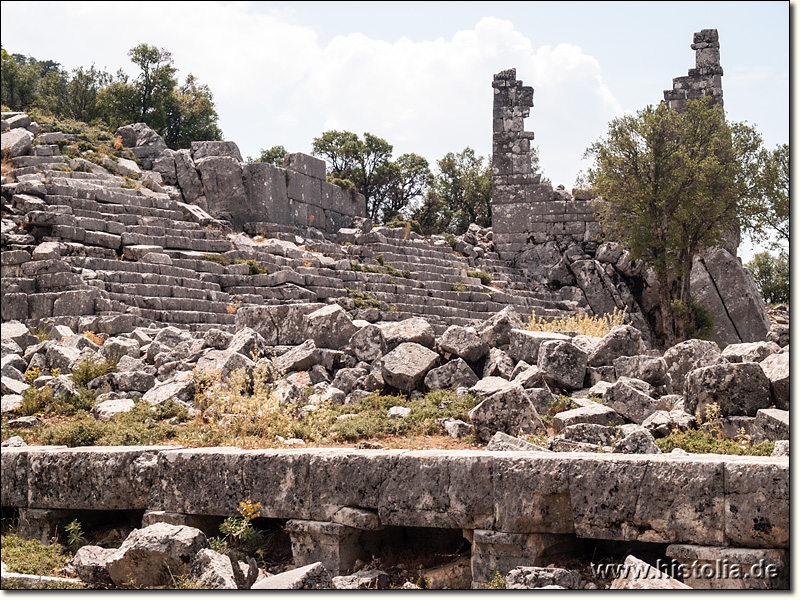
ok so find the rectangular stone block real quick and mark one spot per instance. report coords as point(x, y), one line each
point(541, 192)
point(305, 164)
point(499, 551)
point(756, 502)
point(725, 568)
point(336, 546)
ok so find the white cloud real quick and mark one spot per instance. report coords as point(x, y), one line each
point(275, 83)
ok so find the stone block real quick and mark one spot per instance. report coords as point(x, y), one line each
point(334, 545)
point(639, 575)
point(725, 568)
point(500, 551)
point(305, 164)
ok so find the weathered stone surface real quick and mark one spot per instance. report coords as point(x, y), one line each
point(309, 577)
point(750, 352)
point(496, 330)
point(738, 389)
point(705, 293)
point(662, 422)
point(415, 330)
point(464, 342)
point(455, 428)
point(563, 364)
point(406, 366)
point(639, 441)
point(771, 424)
point(145, 142)
point(715, 567)
point(367, 343)
point(300, 358)
point(90, 563)
point(530, 578)
point(452, 375)
point(779, 334)
point(498, 364)
point(181, 389)
point(488, 386)
point(781, 448)
point(362, 580)
point(651, 369)
point(508, 410)
point(596, 413)
point(639, 575)
point(743, 302)
point(330, 327)
point(107, 410)
point(213, 570)
point(507, 443)
point(16, 142)
point(622, 340)
point(524, 345)
point(531, 377)
point(628, 399)
point(278, 325)
point(688, 356)
point(156, 554)
point(455, 575)
point(756, 509)
point(776, 368)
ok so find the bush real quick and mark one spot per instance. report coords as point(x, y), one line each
point(485, 278)
point(701, 442)
point(91, 368)
point(220, 259)
point(32, 556)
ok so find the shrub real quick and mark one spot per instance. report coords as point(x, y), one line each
point(458, 286)
point(220, 259)
point(485, 278)
point(256, 268)
point(32, 556)
point(597, 325)
point(696, 441)
point(363, 299)
point(90, 368)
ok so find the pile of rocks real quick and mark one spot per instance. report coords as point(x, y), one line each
point(627, 393)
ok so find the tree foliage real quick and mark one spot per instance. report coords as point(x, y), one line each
point(771, 274)
point(460, 194)
point(671, 182)
point(767, 200)
point(180, 113)
point(274, 156)
point(388, 186)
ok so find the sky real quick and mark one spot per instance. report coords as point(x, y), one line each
point(418, 74)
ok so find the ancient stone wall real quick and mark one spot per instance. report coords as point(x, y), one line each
point(213, 176)
point(705, 79)
point(524, 210)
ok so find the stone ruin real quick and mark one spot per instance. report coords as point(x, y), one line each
point(705, 80)
point(84, 249)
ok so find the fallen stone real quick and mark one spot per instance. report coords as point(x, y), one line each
point(622, 340)
point(750, 352)
point(406, 366)
point(776, 368)
point(463, 342)
point(640, 441)
point(310, 577)
point(771, 424)
point(106, 411)
point(181, 389)
point(524, 345)
point(213, 570)
point(781, 448)
point(362, 580)
point(330, 327)
point(594, 413)
point(222, 363)
point(488, 386)
point(632, 399)
point(496, 330)
point(563, 364)
point(651, 369)
point(455, 575)
point(455, 428)
point(14, 442)
point(531, 377)
point(662, 422)
point(508, 410)
point(300, 358)
point(636, 574)
point(452, 375)
point(415, 330)
point(368, 343)
point(688, 356)
point(507, 443)
point(398, 412)
point(530, 578)
point(156, 554)
point(740, 389)
point(16, 142)
point(247, 342)
point(90, 564)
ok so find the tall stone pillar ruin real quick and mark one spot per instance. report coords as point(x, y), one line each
point(524, 210)
point(705, 79)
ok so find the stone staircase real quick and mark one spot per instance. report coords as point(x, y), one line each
point(122, 256)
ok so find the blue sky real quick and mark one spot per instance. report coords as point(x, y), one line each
point(419, 73)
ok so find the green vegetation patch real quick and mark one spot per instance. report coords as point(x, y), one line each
point(32, 557)
point(700, 442)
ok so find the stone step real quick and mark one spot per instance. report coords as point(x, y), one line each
point(171, 304)
point(118, 211)
point(36, 161)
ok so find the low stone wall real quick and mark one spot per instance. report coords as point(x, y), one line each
point(706, 500)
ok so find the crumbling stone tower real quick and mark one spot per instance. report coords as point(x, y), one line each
point(525, 211)
point(705, 79)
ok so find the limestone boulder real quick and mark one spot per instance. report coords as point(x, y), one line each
point(563, 364)
point(463, 342)
point(330, 327)
point(530, 377)
point(414, 330)
point(622, 340)
point(508, 410)
point(180, 388)
point(776, 368)
point(524, 344)
point(406, 366)
point(496, 330)
point(631, 398)
point(488, 386)
point(455, 428)
point(688, 356)
point(247, 342)
point(740, 389)
point(17, 142)
point(779, 334)
point(498, 364)
point(750, 352)
point(223, 363)
point(640, 575)
point(652, 369)
point(282, 325)
point(108, 409)
point(638, 441)
point(456, 373)
point(663, 422)
point(530, 578)
point(502, 442)
point(156, 554)
point(367, 343)
point(299, 358)
point(309, 577)
point(223, 187)
point(771, 424)
point(90, 564)
point(596, 413)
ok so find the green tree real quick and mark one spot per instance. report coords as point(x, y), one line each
point(767, 203)
point(388, 186)
point(154, 85)
point(771, 274)
point(460, 194)
point(18, 81)
point(671, 183)
point(82, 91)
point(273, 156)
point(52, 92)
point(116, 102)
point(191, 115)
